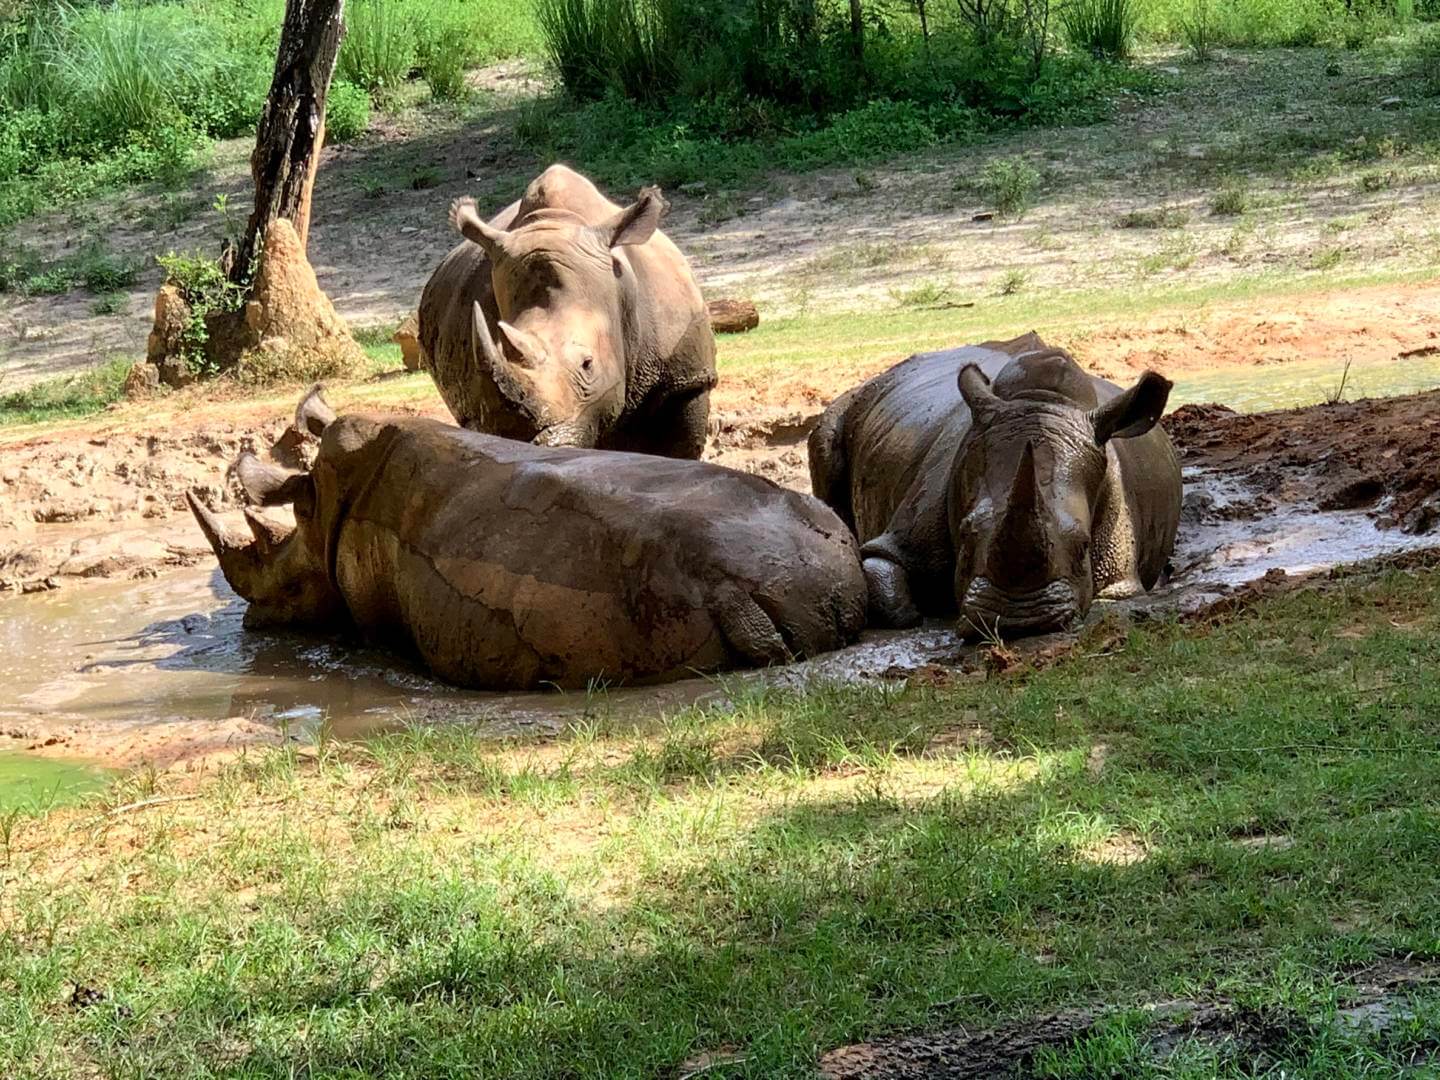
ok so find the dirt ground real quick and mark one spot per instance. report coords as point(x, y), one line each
point(1379, 1000)
point(1326, 183)
point(107, 498)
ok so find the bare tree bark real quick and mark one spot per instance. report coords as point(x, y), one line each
point(857, 34)
point(292, 127)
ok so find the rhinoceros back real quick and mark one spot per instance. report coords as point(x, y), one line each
point(902, 425)
point(511, 565)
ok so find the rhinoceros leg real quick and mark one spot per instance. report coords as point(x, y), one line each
point(688, 422)
point(889, 588)
point(748, 630)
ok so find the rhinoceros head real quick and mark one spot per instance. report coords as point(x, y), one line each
point(563, 288)
point(1026, 486)
point(280, 570)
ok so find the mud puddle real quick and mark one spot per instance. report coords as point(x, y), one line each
point(161, 670)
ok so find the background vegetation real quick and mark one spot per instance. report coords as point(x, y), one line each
point(96, 96)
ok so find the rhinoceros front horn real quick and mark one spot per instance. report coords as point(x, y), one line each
point(239, 559)
point(488, 357)
point(1020, 541)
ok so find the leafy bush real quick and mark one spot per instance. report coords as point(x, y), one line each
point(347, 112)
point(208, 291)
point(1101, 27)
point(1426, 59)
point(1010, 184)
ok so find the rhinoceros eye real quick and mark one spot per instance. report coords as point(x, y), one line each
point(588, 364)
point(616, 267)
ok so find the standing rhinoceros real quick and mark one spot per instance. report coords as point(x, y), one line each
point(508, 565)
point(1002, 481)
point(570, 321)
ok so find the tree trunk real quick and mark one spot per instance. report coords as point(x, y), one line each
point(292, 127)
point(857, 34)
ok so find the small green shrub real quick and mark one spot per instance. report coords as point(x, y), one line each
point(1160, 217)
point(1199, 29)
point(1010, 185)
point(1101, 27)
point(1232, 200)
point(1011, 282)
point(347, 112)
point(207, 291)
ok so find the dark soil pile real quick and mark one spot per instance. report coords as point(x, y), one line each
point(1381, 455)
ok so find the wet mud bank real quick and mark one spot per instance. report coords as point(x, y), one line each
point(148, 662)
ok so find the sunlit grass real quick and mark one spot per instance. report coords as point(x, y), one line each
point(1245, 809)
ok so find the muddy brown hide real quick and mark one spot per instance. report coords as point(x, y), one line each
point(569, 320)
point(507, 565)
point(1002, 483)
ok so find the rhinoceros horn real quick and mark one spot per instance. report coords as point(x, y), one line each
point(489, 358)
point(1021, 540)
point(240, 561)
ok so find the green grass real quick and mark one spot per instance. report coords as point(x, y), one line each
point(34, 784)
point(68, 397)
point(775, 878)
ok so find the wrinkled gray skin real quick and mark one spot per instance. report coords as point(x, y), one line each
point(504, 565)
point(1002, 482)
point(569, 321)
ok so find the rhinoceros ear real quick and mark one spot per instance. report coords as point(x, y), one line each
point(468, 223)
point(636, 223)
point(1134, 412)
point(314, 414)
point(270, 485)
point(975, 389)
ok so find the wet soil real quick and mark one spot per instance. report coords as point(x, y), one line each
point(1380, 1000)
point(1381, 456)
point(145, 659)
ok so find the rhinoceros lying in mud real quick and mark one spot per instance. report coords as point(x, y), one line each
point(567, 320)
point(507, 565)
point(1016, 500)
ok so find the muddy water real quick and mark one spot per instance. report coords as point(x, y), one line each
point(171, 650)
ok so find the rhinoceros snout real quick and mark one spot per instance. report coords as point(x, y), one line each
point(989, 609)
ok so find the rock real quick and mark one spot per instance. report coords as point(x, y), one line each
point(1196, 506)
point(141, 381)
point(732, 316)
point(407, 336)
point(1391, 102)
point(695, 187)
point(983, 216)
point(166, 343)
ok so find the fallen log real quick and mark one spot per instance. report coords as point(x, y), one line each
point(732, 316)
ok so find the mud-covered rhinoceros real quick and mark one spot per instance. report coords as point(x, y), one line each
point(508, 565)
point(567, 320)
point(1000, 481)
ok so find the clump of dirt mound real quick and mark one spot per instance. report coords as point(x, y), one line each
point(1381, 455)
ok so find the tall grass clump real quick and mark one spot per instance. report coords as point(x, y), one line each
point(380, 48)
point(1103, 28)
